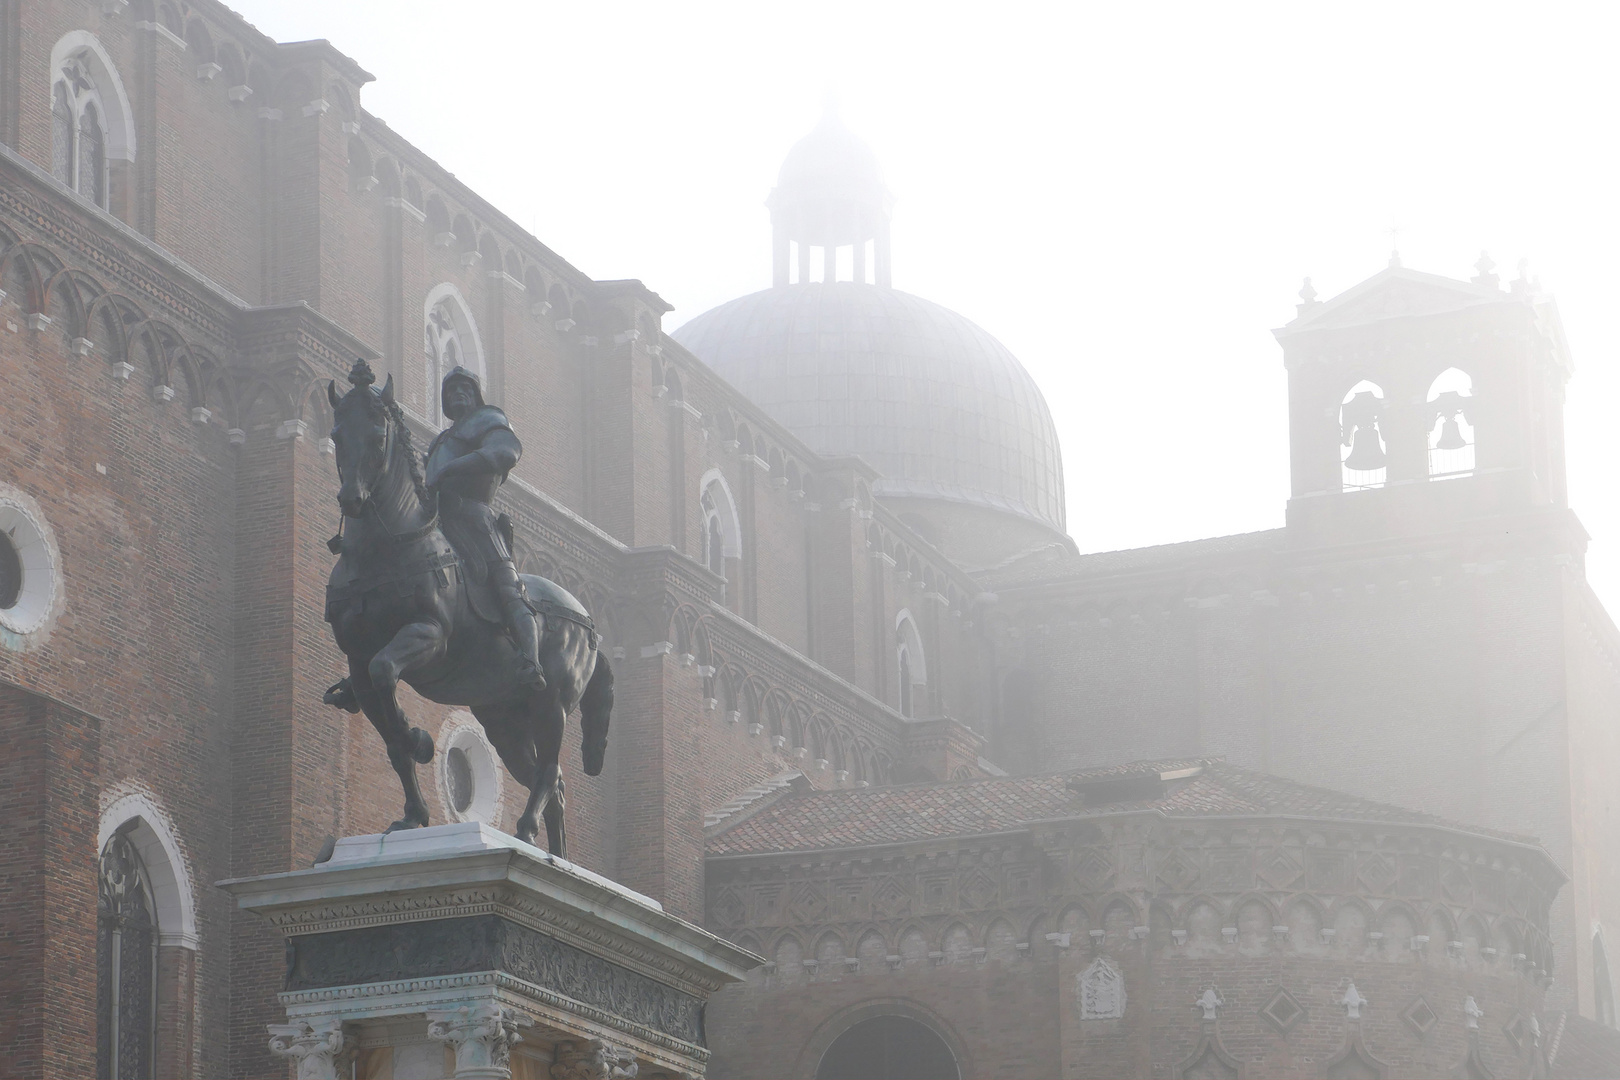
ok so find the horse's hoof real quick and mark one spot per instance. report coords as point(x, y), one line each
point(341, 695)
point(404, 823)
point(527, 830)
point(421, 746)
point(593, 751)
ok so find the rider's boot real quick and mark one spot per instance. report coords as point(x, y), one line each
point(526, 636)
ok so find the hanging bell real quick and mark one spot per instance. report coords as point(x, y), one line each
point(1366, 451)
point(1451, 436)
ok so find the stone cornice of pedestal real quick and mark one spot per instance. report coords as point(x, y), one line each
point(466, 869)
point(553, 1012)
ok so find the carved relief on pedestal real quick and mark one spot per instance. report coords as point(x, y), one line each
point(315, 1050)
point(592, 1059)
point(482, 1036)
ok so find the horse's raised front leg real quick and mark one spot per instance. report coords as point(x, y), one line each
point(375, 685)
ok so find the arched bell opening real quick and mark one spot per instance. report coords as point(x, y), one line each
point(1363, 453)
point(1451, 432)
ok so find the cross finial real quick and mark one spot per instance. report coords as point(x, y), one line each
point(361, 374)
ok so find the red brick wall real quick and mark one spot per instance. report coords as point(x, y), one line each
point(49, 777)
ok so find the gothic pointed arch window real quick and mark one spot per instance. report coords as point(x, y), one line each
point(78, 140)
point(713, 542)
point(722, 529)
point(911, 665)
point(450, 340)
point(126, 963)
point(1451, 429)
point(91, 124)
point(1362, 450)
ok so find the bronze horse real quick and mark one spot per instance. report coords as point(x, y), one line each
point(400, 608)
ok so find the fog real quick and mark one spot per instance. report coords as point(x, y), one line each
point(1128, 196)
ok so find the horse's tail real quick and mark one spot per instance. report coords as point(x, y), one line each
point(594, 707)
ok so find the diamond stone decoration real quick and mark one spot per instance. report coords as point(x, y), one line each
point(1420, 1017)
point(1283, 1011)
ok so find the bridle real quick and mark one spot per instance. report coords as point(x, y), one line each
point(368, 504)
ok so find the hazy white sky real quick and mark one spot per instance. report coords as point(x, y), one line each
point(1127, 195)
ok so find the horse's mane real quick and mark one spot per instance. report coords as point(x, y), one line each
point(426, 496)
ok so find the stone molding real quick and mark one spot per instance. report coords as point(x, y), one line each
point(1088, 866)
point(494, 900)
point(384, 999)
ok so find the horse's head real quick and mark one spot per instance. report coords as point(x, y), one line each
point(362, 436)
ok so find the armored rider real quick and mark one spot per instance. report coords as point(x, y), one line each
point(466, 464)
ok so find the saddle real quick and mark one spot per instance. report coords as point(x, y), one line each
point(552, 602)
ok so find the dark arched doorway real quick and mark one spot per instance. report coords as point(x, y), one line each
point(889, 1048)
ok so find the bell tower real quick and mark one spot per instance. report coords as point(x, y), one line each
point(1416, 401)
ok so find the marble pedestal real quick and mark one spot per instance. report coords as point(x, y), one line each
point(457, 951)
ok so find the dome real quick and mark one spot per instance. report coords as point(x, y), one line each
point(830, 162)
point(939, 407)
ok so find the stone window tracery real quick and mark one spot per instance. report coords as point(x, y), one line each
point(126, 963)
point(78, 134)
point(722, 531)
point(450, 340)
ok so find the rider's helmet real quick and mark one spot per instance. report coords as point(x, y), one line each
point(461, 373)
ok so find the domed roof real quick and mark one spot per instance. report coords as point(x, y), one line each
point(939, 407)
point(830, 162)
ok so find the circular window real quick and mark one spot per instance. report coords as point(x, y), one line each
point(470, 773)
point(30, 590)
point(458, 770)
point(10, 574)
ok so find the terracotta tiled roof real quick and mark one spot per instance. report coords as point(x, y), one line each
point(1582, 1048)
point(856, 817)
point(1054, 565)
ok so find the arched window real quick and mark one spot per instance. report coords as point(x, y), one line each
point(1602, 986)
point(1362, 458)
point(1451, 434)
point(888, 1048)
point(126, 962)
point(78, 142)
point(713, 542)
point(910, 662)
point(91, 123)
point(722, 531)
point(450, 340)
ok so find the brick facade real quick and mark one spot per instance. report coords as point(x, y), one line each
point(166, 359)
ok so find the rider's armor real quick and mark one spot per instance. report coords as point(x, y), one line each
point(469, 523)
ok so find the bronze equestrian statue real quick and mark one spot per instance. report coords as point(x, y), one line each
point(425, 591)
